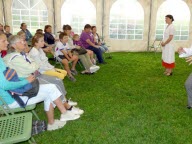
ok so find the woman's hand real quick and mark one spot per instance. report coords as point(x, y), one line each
point(189, 60)
point(31, 78)
point(163, 44)
point(96, 46)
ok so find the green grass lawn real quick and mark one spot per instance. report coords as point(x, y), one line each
point(128, 101)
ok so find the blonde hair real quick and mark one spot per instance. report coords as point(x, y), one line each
point(75, 35)
point(20, 33)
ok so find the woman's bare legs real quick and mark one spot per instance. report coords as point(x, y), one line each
point(50, 113)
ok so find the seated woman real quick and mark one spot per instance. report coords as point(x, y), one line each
point(85, 59)
point(25, 66)
point(88, 43)
point(28, 34)
point(46, 48)
point(68, 30)
point(47, 93)
point(103, 47)
point(62, 51)
point(39, 56)
point(48, 37)
point(22, 35)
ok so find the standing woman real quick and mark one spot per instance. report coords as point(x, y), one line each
point(168, 53)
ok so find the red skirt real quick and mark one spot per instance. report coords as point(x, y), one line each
point(168, 65)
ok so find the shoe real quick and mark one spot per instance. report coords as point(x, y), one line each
point(169, 74)
point(74, 72)
point(69, 116)
point(76, 111)
point(56, 125)
point(71, 103)
point(72, 79)
point(94, 68)
point(189, 107)
point(103, 63)
point(86, 73)
point(165, 73)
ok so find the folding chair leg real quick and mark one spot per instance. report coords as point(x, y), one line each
point(35, 114)
point(109, 54)
point(79, 62)
point(32, 141)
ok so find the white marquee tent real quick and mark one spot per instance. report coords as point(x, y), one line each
point(126, 25)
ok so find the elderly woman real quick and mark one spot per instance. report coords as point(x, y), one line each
point(24, 65)
point(87, 40)
point(48, 93)
point(168, 53)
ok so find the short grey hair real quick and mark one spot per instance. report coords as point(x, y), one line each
point(13, 39)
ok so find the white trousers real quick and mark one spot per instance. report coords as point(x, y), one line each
point(47, 94)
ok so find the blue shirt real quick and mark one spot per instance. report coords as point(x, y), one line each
point(27, 34)
point(8, 85)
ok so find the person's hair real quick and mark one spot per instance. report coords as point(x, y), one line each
point(36, 38)
point(62, 34)
point(170, 16)
point(75, 35)
point(39, 31)
point(13, 39)
point(46, 27)
point(66, 27)
point(1, 24)
point(20, 33)
point(6, 26)
point(87, 26)
point(22, 25)
point(93, 27)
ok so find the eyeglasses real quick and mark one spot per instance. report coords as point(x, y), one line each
point(21, 41)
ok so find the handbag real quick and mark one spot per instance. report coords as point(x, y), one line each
point(11, 75)
point(30, 90)
point(38, 126)
point(80, 51)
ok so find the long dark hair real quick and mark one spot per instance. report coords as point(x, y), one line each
point(66, 27)
point(170, 16)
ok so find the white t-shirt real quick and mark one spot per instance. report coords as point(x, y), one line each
point(60, 46)
point(40, 58)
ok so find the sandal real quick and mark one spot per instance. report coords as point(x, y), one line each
point(169, 74)
point(86, 72)
point(165, 72)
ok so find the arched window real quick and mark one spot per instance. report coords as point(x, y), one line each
point(126, 20)
point(181, 14)
point(32, 12)
point(77, 13)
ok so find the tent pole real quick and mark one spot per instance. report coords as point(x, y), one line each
point(3, 5)
point(103, 18)
point(54, 19)
point(149, 33)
